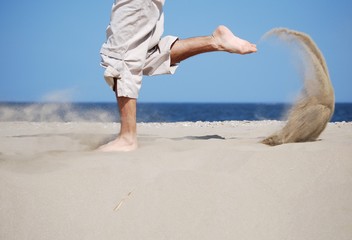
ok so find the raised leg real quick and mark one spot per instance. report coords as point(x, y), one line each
point(222, 39)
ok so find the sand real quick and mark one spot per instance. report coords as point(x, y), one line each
point(186, 181)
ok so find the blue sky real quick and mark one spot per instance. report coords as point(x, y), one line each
point(50, 50)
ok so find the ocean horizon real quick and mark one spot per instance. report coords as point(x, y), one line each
point(154, 112)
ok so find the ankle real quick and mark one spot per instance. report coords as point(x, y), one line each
point(218, 37)
point(214, 43)
point(129, 138)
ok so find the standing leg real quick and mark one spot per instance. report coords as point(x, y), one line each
point(126, 140)
point(123, 55)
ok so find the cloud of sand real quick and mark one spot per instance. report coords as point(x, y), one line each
point(53, 112)
point(55, 107)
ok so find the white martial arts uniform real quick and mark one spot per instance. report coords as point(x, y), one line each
point(134, 46)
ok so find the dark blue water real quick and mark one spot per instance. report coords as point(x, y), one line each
point(154, 112)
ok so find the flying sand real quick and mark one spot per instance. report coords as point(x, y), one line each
point(309, 116)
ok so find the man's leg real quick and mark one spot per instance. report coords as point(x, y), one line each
point(127, 139)
point(222, 39)
point(132, 24)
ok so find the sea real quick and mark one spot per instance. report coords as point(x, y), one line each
point(155, 112)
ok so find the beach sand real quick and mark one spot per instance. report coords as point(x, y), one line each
point(186, 181)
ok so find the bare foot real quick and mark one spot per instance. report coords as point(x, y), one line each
point(227, 41)
point(120, 144)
